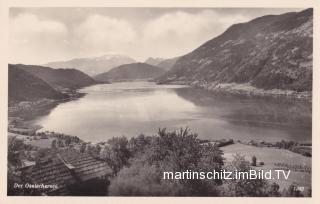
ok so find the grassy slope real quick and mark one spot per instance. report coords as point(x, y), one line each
point(270, 156)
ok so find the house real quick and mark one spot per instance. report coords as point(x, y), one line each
point(70, 172)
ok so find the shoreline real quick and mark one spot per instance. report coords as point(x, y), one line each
point(29, 110)
point(38, 111)
point(25, 117)
point(244, 89)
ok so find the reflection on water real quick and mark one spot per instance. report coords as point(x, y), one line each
point(142, 107)
point(285, 118)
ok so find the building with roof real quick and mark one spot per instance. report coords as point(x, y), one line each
point(68, 172)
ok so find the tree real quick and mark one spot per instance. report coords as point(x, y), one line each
point(60, 143)
point(138, 144)
point(116, 153)
point(54, 144)
point(273, 190)
point(83, 147)
point(42, 154)
point(94, 151)
point(15, 148)
point(138, 180)
point(97, 150)
point(168, 151)
point(254, 161)
point(68, 141)
point(180, 150)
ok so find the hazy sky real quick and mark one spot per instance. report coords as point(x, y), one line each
point(40, 35)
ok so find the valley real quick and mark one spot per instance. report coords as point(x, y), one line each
point(243, 95)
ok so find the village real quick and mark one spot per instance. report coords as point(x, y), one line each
point(53, 159)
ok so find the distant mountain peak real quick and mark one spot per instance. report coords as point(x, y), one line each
point(93, 65)
point(112, 55)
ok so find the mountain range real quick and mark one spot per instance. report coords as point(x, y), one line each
point(59, 78)
point(273, 52)
point(153, 61)
point(93, 65)
point(269, 52)
point(129, 72)
point(31, 82)
point(23, 86)
point(167, 64)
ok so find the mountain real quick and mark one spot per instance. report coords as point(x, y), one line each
point(153, 61)
point(93, 66)
point(167, 64)
point(128, 72)
point(24, 86)
point(59, 78)
point(269, 52)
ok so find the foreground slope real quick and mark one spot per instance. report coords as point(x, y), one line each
point(269, 52)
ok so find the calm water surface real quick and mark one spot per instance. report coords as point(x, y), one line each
point(130, 108)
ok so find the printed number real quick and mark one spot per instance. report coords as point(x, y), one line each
point(299, 188)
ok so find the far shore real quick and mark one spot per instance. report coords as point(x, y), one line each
point(245, 89)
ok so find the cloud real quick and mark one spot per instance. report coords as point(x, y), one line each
point(177, 33)
point(31, 38)
point(39, 38)
point(28, 26)
point(101, 33)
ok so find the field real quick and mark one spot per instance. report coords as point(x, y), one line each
point(272, 157)
point(33, 140)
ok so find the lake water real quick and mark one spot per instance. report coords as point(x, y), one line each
point(130, 108)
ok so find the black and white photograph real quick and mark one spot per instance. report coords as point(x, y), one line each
point(160, 101)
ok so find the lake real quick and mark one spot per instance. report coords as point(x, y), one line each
point(130, 108)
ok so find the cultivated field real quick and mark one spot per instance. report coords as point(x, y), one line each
point(275, 159)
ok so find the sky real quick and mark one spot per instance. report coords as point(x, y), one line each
point(41, 35)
